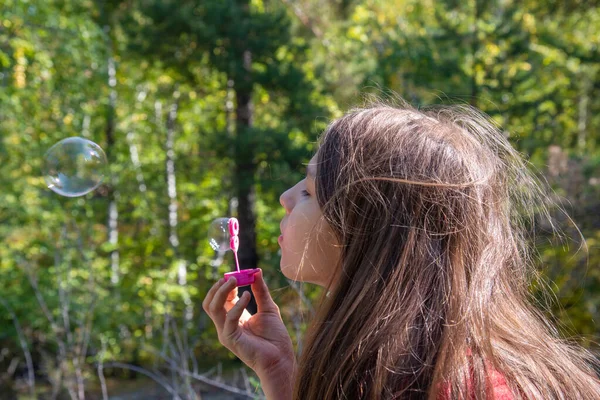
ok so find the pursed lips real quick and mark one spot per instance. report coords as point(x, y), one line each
point(282, 226)
point(280, 238)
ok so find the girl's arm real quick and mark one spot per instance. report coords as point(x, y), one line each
point(278, 384)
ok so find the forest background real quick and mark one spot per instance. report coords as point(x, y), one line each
point(209, 108)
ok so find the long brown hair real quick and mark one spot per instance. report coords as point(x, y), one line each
point(432, 293)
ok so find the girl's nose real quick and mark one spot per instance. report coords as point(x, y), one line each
point(285, 201)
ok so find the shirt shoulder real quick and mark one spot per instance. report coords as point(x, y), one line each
point(499, 387)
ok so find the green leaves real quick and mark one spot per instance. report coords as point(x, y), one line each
point(533, 68)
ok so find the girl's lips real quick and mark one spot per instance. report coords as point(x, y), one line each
point(280, 239)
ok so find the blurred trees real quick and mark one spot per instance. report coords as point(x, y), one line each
point(208, 109)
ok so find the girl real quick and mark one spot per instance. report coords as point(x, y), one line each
point(412, 220)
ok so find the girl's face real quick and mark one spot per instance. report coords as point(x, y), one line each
point(309, 249)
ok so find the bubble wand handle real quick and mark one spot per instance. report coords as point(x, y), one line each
point(237, 263)
point(234, 241)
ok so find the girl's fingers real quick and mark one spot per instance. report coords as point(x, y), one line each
point(245, 314)
point(230, 303)
point(216, 308)
point(264, 301)
point(231, 325)
point(211, 293)
point(232, 295)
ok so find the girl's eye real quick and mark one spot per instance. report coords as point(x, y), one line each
point(305, 193)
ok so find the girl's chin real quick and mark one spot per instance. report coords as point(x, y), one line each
point(292, 274)
point(288, 271)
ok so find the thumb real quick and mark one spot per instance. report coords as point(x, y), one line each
point(264, 301)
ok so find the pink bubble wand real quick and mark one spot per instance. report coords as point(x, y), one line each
point(243, 277)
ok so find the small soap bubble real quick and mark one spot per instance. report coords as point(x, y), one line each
point(74, 167)
point(218, 235)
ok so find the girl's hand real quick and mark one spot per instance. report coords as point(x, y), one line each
point(261, 341)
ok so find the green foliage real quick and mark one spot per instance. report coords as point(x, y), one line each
point(178, 67)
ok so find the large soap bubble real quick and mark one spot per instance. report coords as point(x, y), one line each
point(74, 167)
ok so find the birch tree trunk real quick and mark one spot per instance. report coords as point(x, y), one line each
point(172, 190)
point(113, 212)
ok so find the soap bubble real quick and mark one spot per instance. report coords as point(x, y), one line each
point(74, 167)
point(220, 234)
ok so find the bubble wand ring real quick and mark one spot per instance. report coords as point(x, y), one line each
point(243, 277)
